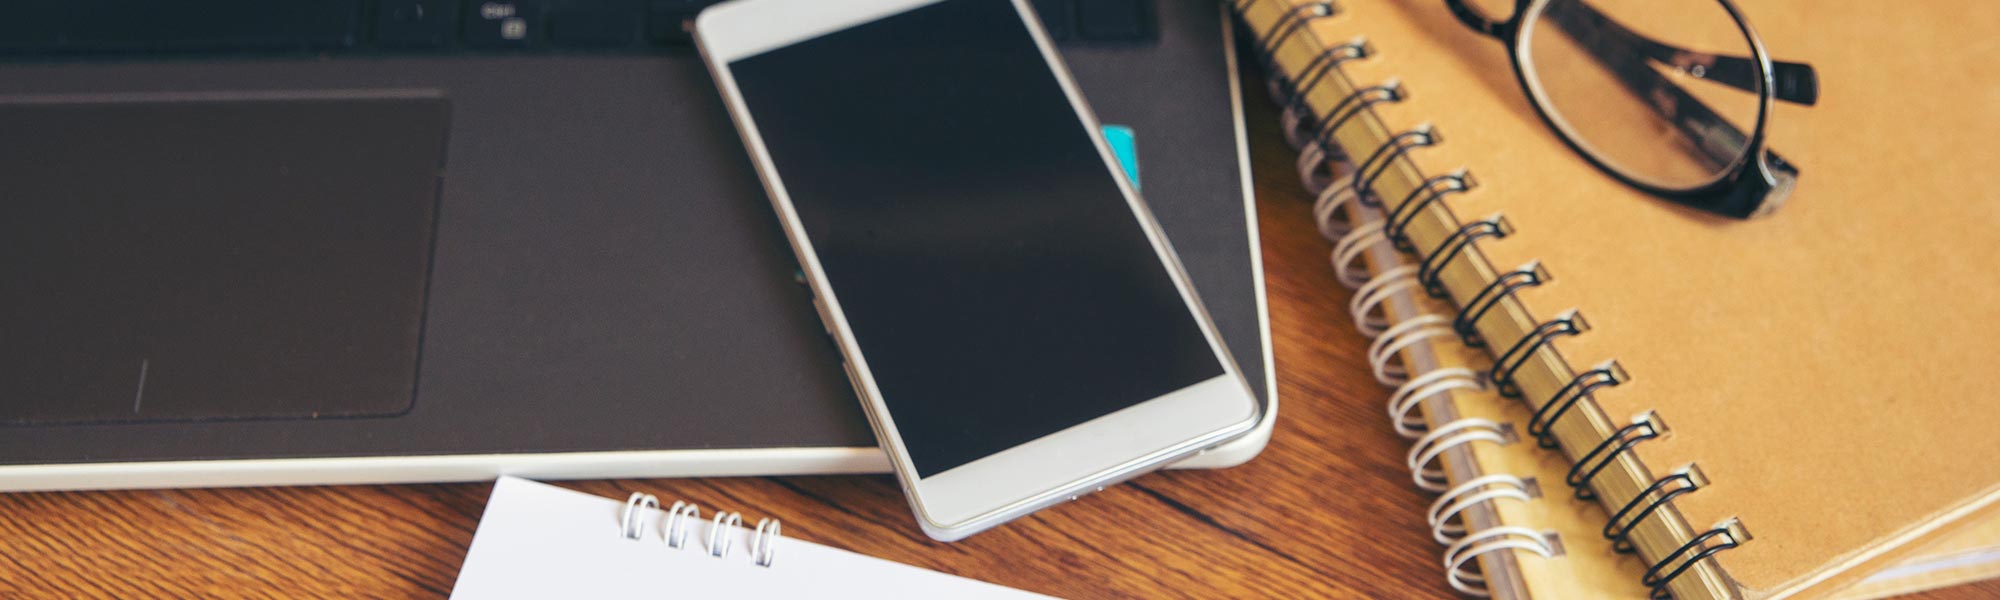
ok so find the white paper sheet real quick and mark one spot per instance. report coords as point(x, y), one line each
point(542, 541)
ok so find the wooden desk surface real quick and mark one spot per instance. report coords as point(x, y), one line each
point(1326, 511)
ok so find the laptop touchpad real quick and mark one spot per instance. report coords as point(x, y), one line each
point(188, 257)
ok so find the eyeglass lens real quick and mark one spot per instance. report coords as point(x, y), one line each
point(1655, 89)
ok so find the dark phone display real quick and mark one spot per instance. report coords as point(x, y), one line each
point(994, 276)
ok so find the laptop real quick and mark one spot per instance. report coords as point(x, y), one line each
point(246, 242)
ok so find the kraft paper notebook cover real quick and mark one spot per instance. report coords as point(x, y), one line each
point(1499, 485)
point(1803, 394)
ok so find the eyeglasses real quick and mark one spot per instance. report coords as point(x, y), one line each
point(1618, 80)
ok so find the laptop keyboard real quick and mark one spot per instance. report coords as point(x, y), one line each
point(83, 28)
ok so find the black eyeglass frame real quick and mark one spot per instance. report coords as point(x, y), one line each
point(1755, 184)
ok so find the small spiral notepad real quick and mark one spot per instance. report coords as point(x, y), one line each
point(542, 541)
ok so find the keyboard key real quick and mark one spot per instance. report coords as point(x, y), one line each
point(415, 23)
point(1115, 20)
point(1058, 16)
point(90, 26)
point(503, 24)
point(595, 23)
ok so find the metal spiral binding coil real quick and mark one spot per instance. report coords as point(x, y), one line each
point(1354, 103)
point(1432, 445)
point(1509, 362)
point(764, 547)
point(1459, 181)
point(1383, 352)
point(1659, 581)
point(1316, 167)
point(1605, 375)
point(1466, 323)
point(1619, 527)
point(680, 522)
point(1350, 243)
point(1299, 128)
point(1349, 249)
point(1378, 161)
point(1294, 126)
point(1444, 512)
point(632, 520)
point(1366, 305)
point(1326, 209)
point(1314, 137)
point(1297, 117)
point(1458, 557)
point(1324, 64)
point(1424, 387)
point(1313, 170)
point(1293, 96)
point(718, 533)
point(1433, 263)
point(1647, 426)
point(1294, 21)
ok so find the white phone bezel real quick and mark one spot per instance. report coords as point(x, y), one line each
point(1059, 466)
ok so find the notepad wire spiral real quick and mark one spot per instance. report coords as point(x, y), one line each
point(1344, 187)
point(1412, 389)
point(683, 517)
point(1336, 196)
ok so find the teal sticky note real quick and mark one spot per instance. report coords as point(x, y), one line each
point(1126, 148)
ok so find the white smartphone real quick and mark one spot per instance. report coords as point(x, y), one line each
point(1013, 320)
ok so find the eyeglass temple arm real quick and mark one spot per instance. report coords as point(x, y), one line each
point(1793, 82)
point(1716, 141)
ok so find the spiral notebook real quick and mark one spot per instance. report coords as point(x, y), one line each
point(541, 541)
point(1752, 409)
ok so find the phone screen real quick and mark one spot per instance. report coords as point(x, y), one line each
point(998, 283)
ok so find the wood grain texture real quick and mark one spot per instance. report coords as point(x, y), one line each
point(1327, 511)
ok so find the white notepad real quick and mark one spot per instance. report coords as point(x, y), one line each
point(542, 541)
